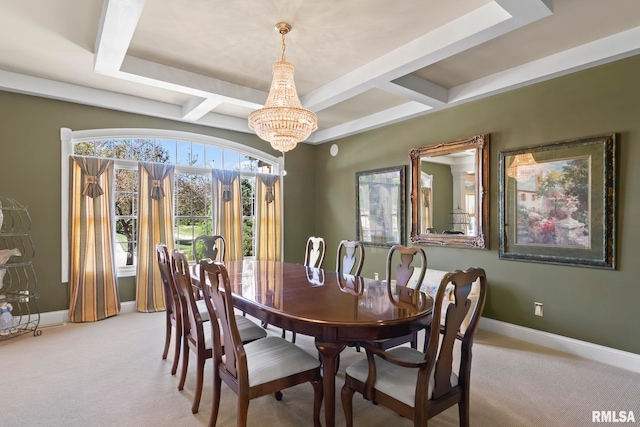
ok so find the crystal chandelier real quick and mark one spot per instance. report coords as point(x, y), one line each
point(283, 122)
point(523, 167)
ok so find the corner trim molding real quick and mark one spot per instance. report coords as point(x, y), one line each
point(587, 350)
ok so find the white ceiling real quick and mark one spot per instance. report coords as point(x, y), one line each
point(360, 64)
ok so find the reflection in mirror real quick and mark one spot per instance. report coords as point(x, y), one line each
point(449, 191)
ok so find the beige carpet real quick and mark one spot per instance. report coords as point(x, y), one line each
point(110, 373)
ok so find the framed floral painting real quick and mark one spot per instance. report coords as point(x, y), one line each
point(557, 202)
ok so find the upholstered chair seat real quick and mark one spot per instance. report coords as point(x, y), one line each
point(271, 358)
point(393, 380)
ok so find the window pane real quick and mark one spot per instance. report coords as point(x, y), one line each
point(124, 204)
point(150, 152)
point(84, 149)
point(264, 167)
point(214, 157)
point(125, 179)
point(202, 227)
point(184, 236)
point(183, 205)
point(248, 195)
point(231, 160)
point(184, 153)
point(199, 205)
point(197, 155)
point(125, 236)
point(249, 164)
point(121, 149)
point(247, 236)
point(140, 150)
point(167, 151)
point(104, 148)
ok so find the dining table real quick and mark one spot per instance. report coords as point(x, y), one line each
point(336, 309)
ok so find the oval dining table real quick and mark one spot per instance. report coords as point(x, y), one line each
point(333, 308)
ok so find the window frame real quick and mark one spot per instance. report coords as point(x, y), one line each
point(70, 137)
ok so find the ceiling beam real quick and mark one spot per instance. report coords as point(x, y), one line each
point(485, 23)
point(195, 108)
point(170, 78)
point(417, 89)
point(118, 22)
point(608, 49)
point(373, 121)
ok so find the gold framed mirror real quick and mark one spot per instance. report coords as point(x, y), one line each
point(449, 193)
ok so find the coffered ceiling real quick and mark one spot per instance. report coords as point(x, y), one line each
point(360, 64)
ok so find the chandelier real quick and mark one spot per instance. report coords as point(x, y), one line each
point(283, 122)
point(523, 167)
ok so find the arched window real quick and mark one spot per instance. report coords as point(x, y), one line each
point(193, 155)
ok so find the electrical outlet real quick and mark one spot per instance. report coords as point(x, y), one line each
point(375, 276)
point(538, 309)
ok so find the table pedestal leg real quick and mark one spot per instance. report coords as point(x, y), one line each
point(329, 352)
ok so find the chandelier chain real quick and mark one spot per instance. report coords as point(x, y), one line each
point(283, 32)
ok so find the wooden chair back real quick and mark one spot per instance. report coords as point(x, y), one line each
point(218, 293)
point(193, 320)
point(172, 302)
point(314, 252)
point(353, 259)
point(439, 352)
point(168, 285)
point(404, 294)
point(404, 270)
point(212, 247)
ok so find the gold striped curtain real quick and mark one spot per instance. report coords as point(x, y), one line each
point(155, 225)
point(268, 217)
point(228, 210)
point(93, 290)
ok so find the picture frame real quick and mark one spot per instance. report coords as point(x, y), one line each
point(557, 202)
point(380, 206)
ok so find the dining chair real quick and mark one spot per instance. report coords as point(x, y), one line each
point(314, 252)
point(261, 367)
point(175, 305)
point(403, 273)
point(419, 385)
point(350, 265)
point(213, 247)
point(353, 259)
point(197, 333)
point(173, 310)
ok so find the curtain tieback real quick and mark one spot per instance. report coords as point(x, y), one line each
point(91, 187)
point(269, 197)
point(157, 192)
point(226, 192)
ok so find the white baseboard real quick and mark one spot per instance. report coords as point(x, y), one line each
point(52, 318)
point(587, 350)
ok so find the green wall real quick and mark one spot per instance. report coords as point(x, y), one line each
point(593, 305)
point(30, 172)
point(599, 306)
